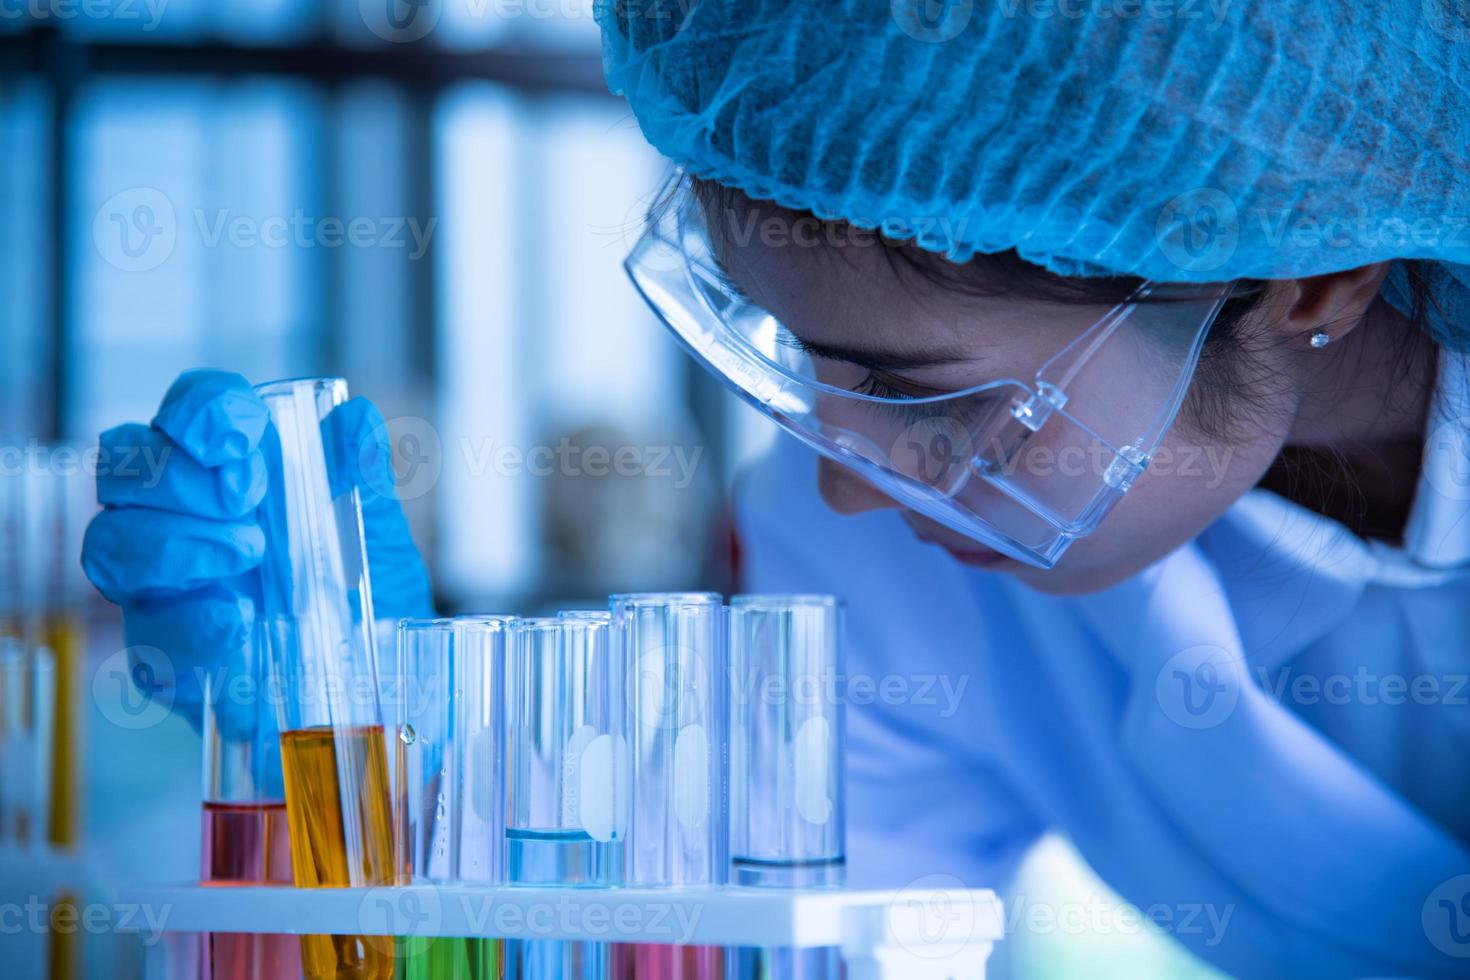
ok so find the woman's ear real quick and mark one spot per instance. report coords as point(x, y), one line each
point(1331, 305)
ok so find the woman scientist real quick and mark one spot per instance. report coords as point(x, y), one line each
point(1129, 338)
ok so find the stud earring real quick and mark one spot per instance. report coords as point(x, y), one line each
point(1320, 339)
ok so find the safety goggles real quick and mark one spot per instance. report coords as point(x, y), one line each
point(1024, 464)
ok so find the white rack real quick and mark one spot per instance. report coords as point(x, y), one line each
point(909, 934)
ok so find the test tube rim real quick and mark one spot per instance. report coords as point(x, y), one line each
point(485, 624)
point(654, 600)
point(537, 624)
point(524, 629)
point(584, 615)
point(471, 629)
point(762, 602)
point(281, 385)
point(425, 623)
point(485, 621)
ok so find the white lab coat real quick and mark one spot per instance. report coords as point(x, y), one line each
point(1270, 726)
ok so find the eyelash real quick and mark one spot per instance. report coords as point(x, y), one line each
point(730, 286)
point(876, 387)
point(872, 384)
point(908, 414)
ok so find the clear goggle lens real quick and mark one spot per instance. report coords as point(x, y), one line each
point(1024, 464)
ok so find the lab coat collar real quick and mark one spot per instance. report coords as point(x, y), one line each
point(1290, 574)
point(1437, 535)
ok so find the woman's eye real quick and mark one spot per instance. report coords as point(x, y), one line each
point(874, 387)
point(878, 387)
point(895, 397)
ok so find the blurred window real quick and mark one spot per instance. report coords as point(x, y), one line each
point(429, 197)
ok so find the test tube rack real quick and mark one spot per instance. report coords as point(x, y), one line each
point(909, 934)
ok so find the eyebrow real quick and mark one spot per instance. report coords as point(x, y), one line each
point(880, 360)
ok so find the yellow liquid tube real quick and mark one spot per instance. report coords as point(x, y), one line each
point(337, 841)
point(316, 609)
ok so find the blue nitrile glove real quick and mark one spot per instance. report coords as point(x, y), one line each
point(178, 541)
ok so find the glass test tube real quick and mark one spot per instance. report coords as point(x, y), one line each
point(55, 497)
point(27, 696)
point(674, 647)
point(12, 556)
point(316, 605)
point(15, 698)
point(567, 784)
point(450, 696)
point(245, 837)
point(28, 668)
point(786, 780)
point(62, 499)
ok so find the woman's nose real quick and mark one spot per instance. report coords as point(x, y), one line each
point(847, 493)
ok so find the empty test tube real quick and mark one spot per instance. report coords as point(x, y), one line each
point(674, 648)
point(448, 701)
point(786, 781)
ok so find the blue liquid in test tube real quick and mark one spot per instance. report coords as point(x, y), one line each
point(567, 785)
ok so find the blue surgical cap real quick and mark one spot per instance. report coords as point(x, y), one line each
point(1173, 140)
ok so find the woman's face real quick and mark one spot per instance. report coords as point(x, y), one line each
point(855, 306)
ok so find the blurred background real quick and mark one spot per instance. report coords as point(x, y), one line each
point(431, 198)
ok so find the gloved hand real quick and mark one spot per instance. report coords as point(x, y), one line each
point(178, 542)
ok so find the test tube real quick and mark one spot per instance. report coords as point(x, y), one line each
point(60, 500)
point(449, 701)
point(15, 697)
point(27, 696)
point(317, 608)
point(245, 837)
point(674, 647)
point(28, 665)
point(567, 792)
point(786, 780)
point(12, 556)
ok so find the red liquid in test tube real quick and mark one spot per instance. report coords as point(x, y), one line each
point(656, 962)
point(247, 844)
